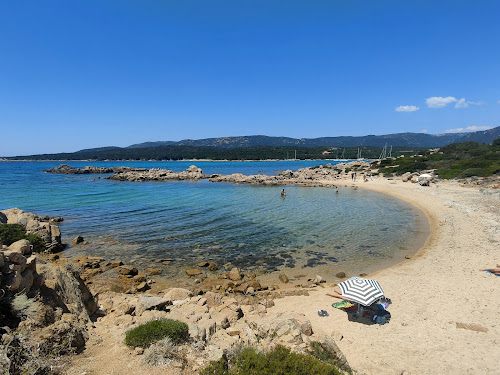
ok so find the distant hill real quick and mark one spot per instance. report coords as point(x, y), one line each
point(398, 140)
point(258, 147)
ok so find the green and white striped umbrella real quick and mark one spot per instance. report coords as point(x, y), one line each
point(363, 291)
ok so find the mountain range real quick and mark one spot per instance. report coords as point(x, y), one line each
point(398, 139)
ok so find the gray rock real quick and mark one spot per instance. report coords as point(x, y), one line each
point(13, 282)
point(3, 218)
point(27, 281)
point(55, 233)
point(149, 302)
point(15, 256)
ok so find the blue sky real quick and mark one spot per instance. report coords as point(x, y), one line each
point(81, 74)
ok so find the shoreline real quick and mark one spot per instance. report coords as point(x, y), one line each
point(351, 267)
point(435, 293)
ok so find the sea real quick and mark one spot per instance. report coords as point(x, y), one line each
point(245, 226)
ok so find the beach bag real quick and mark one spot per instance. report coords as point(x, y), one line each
point(381, 317)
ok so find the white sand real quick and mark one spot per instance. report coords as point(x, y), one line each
point(432, 292)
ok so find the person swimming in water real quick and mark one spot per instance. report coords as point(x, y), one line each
point(283, 193)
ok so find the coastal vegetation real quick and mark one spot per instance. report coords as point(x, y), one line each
point(155, 330)
point(218, 153)
point(10, 233)
point(457, 160)
point(279, 361)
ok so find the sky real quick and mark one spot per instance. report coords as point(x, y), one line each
point(91, 73)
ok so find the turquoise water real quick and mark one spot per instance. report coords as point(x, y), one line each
point(234, 225)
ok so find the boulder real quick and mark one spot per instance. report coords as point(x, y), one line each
point(193, 272)
point(328, 345)
point(318, 280)
point(177, 294)
point(283, 278)
point(142, 287)
point(212, 266)
point(150, 302)
point(128, 270)
point(67, 288)
point(13, 282)
point(77, 240)
point(55, 233)
point(406, 176)
point(26, 281)
point(286, 328)
point(152, 271)
point(254, 284)
point(15, 256)
point(3, 218)
point(22, 246)
point(235, 274)
point(140, 277)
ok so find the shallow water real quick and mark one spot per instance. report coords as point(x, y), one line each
point(234, 225)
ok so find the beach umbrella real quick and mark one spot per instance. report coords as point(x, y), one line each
point(363, 291)
point(425, 175)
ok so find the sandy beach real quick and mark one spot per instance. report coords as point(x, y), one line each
point(434, 293)
point(445, 311)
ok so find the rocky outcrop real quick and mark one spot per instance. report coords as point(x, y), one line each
point(45, 309)
point(218, 323)
point(66, 169)
point(44, 226)
point(157, 174)
point(311, 176)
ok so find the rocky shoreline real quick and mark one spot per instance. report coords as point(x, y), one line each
point(69, 301)
point(310, 176)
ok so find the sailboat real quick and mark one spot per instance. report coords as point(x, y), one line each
point(359, 154)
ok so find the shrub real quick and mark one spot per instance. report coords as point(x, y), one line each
point(161, 353)
point(155, 330)
point(448, 173)
point(279, 361)
point(473, 172)
point(37, 242)
point(21, 305)
point(10, 233)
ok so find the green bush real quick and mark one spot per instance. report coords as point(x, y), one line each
point(10, 233)
point(448, 173)
point(473, 172)
point(279, 361)
point(37, 242)
point(155, 330)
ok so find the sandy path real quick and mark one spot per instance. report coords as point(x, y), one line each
point(439, 287)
